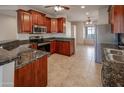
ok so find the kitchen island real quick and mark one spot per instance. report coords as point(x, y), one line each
point(112, 73)
point(30, 68)
point(60, 45)
point(25, 67)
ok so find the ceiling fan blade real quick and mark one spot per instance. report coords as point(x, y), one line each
point(67, 8)
point(49, 6)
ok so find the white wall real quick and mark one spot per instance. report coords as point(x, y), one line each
point(103, 16)
point(79, 32)
point(8, 27)
point(68, 29)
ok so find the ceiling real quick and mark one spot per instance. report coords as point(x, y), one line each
point(76, 13)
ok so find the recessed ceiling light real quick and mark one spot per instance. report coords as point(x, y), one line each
point(82, 6)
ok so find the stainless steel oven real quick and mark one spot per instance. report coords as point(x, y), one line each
point(39, 29)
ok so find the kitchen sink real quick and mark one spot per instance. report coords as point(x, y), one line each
point(113, 51)
point(114, 55)
point(116, 58)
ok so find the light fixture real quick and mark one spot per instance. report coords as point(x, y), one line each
point(82, 6)
point(58, 8)
point(89, 21)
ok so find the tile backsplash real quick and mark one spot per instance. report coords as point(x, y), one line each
point(26, 36)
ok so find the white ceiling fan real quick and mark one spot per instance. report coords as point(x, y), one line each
point(58, 7)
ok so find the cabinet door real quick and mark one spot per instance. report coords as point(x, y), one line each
point(117, 18)
point(23, 76)
point(43, 71)
point(35, 73)
point(53, 47)
point(40, 19)
point(34, 46)
point(34, 18)
point(54, 27)
point(59, 47)
point(61, 25)
point(66, 48)
point(48, 24)
point(24, 22)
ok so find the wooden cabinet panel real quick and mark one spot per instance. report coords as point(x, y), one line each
point(61, 25)
point(48, 24)
point(116, 18)
point(24, 21)
point(37, 18)
point(33, 74)
point(34, 46)
point(53, 47)
point(43, 70)
point(54, 27)
point(65, 47)
point(23, 76)
point(34, 18)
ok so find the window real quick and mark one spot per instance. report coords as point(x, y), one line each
point(90, 32)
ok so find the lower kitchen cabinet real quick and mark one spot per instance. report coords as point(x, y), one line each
point(53, 47)
point(34, 46)
point(65, 47)
point(32, 75)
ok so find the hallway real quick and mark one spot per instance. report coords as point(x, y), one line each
point(79, 70)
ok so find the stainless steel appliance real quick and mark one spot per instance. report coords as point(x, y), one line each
point(39, 29)
point(103, 36)
point(41, 43)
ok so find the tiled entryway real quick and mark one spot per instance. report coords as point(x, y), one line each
point(79, 70)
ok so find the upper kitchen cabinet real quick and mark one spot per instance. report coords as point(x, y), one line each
point(24, 21)
point(61, 25)
point(54, 26)
point(116, 18)
point(38, 18)
point(48, 24)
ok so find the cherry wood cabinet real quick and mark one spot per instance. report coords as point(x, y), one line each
point(65, 47)
point(54, 26)
point(38, 18)
point(53, 47)
point(24, 21)
point(48, 24)
point(61, 25)
point(32, 75)
point(23, 76)
point(34, 46)
point(116, 18)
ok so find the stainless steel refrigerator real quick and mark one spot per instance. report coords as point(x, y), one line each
point(103, 36)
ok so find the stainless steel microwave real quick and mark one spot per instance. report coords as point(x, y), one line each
point(39, 29)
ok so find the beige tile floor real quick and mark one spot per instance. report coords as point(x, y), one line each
point(79, 70)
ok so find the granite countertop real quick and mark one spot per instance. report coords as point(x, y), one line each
point(26, 54)
point(15, 48)
point(6, 56)
point(112, 72)
point(28, 57)
point(59, 39)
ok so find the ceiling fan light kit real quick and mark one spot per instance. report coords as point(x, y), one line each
point(89, 21)
point(58, 8)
